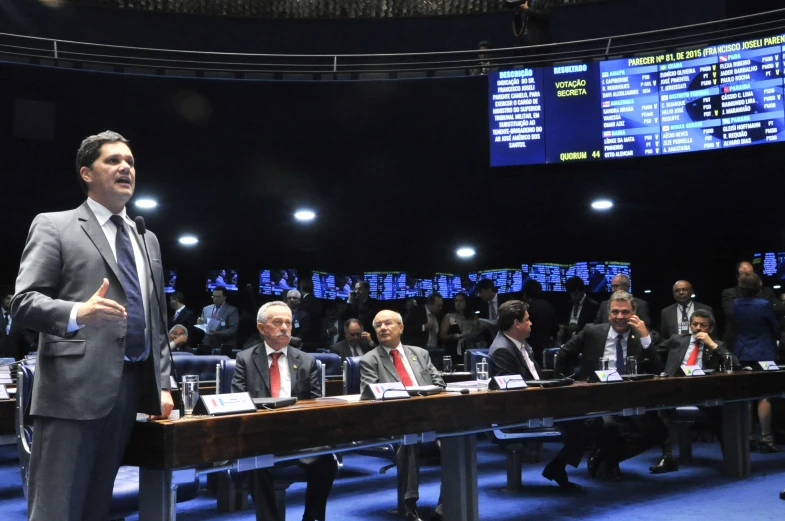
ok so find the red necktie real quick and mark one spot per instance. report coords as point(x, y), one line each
point(693, 359)
point(215, 311)
point(402, 374)
point(275, 376)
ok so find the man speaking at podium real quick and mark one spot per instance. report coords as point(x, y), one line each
point(85, 284)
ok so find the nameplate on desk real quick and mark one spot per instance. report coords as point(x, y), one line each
point(502, 383)
point(385, 391)
point(4, 393)
point(768, 366)
point(230, 403)
point(691, 370)
point(606, 376)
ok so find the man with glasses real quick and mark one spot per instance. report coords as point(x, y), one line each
point(356, 342)
point(361, 306)
point(621, 282)
point(221, 320)
point(675, 319)
point(695, 347)
point(391, 362)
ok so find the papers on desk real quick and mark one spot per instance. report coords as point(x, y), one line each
point(423, 390)
point(346, 397)
point(471, 385)
point(3, 393)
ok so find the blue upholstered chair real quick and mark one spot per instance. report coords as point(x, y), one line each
point(125, 496)
point(200, 365)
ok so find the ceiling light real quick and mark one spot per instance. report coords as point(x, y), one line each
point(777, 287)
point(304, 215)
point(647, 291)
point(465, 252)
point(188, 240)
point(692, 296)
point(602, 204)
point(145, 203)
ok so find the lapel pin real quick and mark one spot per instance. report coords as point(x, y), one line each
point(294, 366)
point(414, 359)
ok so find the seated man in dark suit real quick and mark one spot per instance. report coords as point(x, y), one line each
point(511, 355)
point(675, 319)
point(392, 361)
point(178, 338)
point(583, 309)
point(625, 336)
point(621, 282)
point(361, 306)
point(356, 342)
point(694, 348)
point(543, 316)
point(301, 321)
point(182, 315)
point(272, 370)
point(421, 323)
point(15, 341)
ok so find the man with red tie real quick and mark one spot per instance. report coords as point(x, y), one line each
point(695, 348)
point(390, 362)
point(273, 369)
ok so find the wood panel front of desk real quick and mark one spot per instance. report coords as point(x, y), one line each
point(7, 416)
point(189, 442)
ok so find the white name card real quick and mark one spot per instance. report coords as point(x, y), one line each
point(230, 403)
point(509, 382)
point(3, 393)
point(769, 366)
point(388, 391)
point(692, 370)
point(608, 376)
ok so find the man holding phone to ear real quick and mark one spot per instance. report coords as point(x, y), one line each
point(624, 336)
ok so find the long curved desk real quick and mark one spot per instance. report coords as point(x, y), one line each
point(169, 452)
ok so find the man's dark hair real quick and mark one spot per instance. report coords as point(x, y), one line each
point(349, 323)
point(511, 311)
point(574, 284)
point(749, 284)
point(364, 284)
point(703, 313)
point(178, 296)
point(486, 284)
point(90, 150)
point(484, 43)
point(430, 299)
point(306, 285)
point(532, 288)
point(222, 289)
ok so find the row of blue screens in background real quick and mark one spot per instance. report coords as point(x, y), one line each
point(706, 98)
point(393, 285)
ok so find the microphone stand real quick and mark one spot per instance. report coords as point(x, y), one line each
point(141, 229)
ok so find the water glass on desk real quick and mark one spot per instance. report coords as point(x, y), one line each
point(190, 392)
point(604, 364)
point(482, 370)
point(632, 365)
point(447, 364)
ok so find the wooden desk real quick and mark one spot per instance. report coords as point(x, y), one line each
point(162, 449)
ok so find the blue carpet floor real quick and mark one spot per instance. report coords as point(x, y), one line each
point(697, 491)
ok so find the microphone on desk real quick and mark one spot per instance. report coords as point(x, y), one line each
point(141, 229)
point(459, 391)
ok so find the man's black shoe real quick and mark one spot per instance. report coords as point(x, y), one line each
point(593, 463)
point(412, 515)
point(555, 472)
point(666, 464)
point(612, 472)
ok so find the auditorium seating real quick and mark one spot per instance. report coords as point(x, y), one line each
point(200, 365)
point(331, 363)
point(351, 375)
point(472, 356)
point(125, 495)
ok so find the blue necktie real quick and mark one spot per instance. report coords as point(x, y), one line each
point(619, 353)
point(129, 278)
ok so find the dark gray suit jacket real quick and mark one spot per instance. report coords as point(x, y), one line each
point(343, 350)
point(669, 324)
point(252, 373)
point(223, 334)
point(508, 360)
point(78, 374)
point(376, 366)
point(677, 346)
point(590, 342)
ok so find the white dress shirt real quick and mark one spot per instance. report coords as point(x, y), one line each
point(102, 215)
point(574, 315)
point(283, 369)
point(177, 312)
point(529, 363)
point(690, 349)
point(610, 344)
point(406, 363)
point(682, 319)
point(434, 331)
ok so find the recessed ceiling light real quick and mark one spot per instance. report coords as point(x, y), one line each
point(145, 203)
point(693, 295)
point(188, 240)
point(602, 204)
point(304, 215)
point(465, 252)
point(647, 291)
point(777, 287)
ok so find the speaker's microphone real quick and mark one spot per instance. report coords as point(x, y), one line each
point(141, 229)
point(461, 391)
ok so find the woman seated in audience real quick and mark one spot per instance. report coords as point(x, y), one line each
point(460, 330)
point(757, 332)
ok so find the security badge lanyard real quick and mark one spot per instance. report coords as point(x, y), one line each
point(685, 323)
